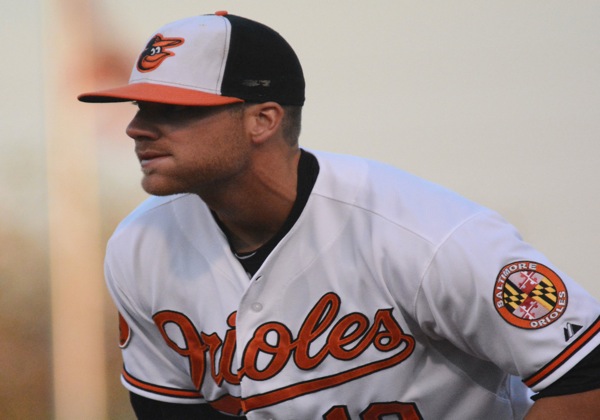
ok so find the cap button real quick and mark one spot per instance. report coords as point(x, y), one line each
point(221, 13)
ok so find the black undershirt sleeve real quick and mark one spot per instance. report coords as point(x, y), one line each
point(148, 409)
point(585, 376)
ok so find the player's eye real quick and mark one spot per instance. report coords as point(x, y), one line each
point(173, 113)
point(172, 110)
point(164, 111)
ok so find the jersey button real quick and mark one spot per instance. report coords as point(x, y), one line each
point(256, 307)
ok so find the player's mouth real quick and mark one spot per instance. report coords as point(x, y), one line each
point(150, 159)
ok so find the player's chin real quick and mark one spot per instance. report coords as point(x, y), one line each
point(161, 186)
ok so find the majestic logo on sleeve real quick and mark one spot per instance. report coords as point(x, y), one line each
point(529, 295)
point(156, 52)
point(273, 347)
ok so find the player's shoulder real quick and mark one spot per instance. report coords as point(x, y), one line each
point(392, 193)
point(154, 208)
point(372, 176)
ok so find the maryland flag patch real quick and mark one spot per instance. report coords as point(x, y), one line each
point(529, 295)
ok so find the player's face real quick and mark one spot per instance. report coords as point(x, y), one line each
point(189, 149)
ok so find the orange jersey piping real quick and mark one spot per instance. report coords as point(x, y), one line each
point(559, 360)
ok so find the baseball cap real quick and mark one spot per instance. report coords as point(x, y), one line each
point(211, 60)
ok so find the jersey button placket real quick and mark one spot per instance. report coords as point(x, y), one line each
point(257, 306)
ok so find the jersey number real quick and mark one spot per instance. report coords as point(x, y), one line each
point(375, 411)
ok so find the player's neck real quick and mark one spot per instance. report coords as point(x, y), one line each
point(253, 212)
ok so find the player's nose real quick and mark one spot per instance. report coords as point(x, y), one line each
point(141, 128)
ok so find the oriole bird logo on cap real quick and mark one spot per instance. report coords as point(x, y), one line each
point(156, 52)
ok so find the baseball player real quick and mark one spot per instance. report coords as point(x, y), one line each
point(272, 282)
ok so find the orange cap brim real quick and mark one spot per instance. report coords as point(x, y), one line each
point(150, 92)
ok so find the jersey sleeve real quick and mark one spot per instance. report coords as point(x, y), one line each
point(150, 368)
point(497, 298)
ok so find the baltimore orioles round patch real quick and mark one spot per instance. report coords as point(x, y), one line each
point(529, 295)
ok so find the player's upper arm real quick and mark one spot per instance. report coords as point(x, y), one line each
point(581, 406)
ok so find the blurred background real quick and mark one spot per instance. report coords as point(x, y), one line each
point(498, 100)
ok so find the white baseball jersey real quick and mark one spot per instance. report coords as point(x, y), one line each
point(388, 296)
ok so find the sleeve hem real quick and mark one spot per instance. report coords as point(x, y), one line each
point(161, 393)
point(567, 359)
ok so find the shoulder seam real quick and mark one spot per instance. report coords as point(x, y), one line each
point(436, 249)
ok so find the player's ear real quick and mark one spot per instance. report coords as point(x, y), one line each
point(264, 120)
